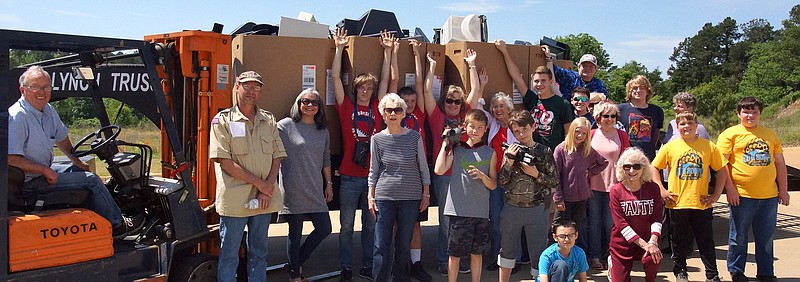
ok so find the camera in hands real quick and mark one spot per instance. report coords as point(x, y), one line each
point(523, 155)
point(452, 135)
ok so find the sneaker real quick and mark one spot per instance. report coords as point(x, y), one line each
point(738, 277)
point(442, 268)
point(130, 225)
point(418, 272)
point(596, 264)
point(463, 268)
point(681, 277)
point(715, 279)
point(347, 274)
point(534, 273)
point(492, 266)
point(366, 273)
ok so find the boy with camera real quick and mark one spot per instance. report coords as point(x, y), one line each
point(528, 175)
point(467, 202)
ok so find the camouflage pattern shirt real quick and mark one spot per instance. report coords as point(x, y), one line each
point(523, 190)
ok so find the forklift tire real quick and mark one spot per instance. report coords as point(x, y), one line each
point(195, 267)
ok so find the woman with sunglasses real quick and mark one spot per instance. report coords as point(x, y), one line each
point(306, 140)
point(398, 182)
point(609, 142)
point(448, 111)
point(637, 210)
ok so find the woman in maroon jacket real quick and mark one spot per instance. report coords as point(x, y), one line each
point(636, 208)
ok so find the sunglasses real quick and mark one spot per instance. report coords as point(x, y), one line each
point(609, 116)
point(632, 166)
point(453, 101)
point(309, 102)
point(580, 99)
point(397, 110)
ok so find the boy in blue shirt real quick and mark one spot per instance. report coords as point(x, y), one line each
point(563, 260)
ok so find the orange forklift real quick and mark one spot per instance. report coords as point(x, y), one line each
point(178, 81)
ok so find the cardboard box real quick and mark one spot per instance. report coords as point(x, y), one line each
point(288, 65)
point(564, 64)
point(438, 54)
point(457, 72)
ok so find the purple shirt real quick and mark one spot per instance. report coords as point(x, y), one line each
point(574, 171)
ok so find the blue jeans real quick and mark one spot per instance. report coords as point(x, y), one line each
point(298, 254)
point(598, 215)
point(441, 184)
point(231, 231)
point(496, 202)
point(762, 215)
point(353, 190)
point(403, 216)
point(559, 271)
point(73, 178)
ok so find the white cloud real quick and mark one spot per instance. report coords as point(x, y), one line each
point(7, 19)
point(652, 43)
point(473, 6)
point(74, 14)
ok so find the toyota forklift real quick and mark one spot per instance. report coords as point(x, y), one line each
point(178, 81)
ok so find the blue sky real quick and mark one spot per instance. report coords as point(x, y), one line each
point(645, 31)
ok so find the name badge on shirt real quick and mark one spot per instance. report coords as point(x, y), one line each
point(237, 128)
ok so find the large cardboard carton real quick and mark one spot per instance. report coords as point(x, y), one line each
point(457, 71)
point(288, 65)
point(564, 64)
point(438, 54)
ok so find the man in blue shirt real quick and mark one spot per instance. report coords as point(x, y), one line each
point(568, 80)
point(33, 128)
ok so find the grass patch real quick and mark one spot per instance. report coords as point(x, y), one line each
point(148, 134)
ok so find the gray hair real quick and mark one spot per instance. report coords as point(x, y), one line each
point(319, 118)
point(686, 98)
point(504, 98)
point(392, 98)
point(31, 70)
point(634, 155)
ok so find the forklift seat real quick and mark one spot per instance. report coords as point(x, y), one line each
point(43, 201)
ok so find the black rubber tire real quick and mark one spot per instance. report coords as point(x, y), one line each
point(195, 268)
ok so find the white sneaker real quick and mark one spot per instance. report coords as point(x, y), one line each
point(534, 273)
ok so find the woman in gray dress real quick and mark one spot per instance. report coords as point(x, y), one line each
point(306, 169)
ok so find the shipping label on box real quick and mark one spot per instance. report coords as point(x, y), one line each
point(309, 76)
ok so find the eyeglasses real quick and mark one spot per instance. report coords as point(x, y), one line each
point(580, 99)
point(632, 166)
point(571, 236)
point(397, 110)
point(248, 87)
point(453, 101)
point(609, 116)
point(309, 102)
point(591, 105)
point(39, 88)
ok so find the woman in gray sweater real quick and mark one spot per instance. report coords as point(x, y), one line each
point(306, 140)
point(398, 190)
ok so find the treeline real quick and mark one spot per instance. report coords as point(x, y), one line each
point(720, 64)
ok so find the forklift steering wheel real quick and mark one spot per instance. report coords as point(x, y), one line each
point(99, 141)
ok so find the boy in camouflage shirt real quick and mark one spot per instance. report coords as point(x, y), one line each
point(527, 186)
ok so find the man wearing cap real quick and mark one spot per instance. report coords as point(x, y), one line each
point(584, 77)
point(242, 138)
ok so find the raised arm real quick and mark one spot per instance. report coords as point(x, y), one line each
point(430, 102)
point(387, 41)
point(394, 69)
point(484, 79)
point(512, 68)
point(340, 41)
point(474, 80)
point(549, 59)
point(418, 70)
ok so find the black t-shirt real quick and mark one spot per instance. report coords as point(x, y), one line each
point(550, 116)
point(642, 126)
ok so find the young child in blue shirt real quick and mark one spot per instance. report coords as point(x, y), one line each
point(563, 260)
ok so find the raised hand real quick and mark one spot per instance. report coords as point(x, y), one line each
point(483, 77)
point(500, 45)
point(387, 39)
point(340, 37)
point(471, 56)
point(414, 45)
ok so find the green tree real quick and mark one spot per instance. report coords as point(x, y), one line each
point(583, 43)
point(699, 58)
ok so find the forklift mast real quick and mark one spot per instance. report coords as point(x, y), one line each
point(195, 72)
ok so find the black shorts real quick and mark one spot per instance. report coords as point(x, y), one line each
point(468, 236)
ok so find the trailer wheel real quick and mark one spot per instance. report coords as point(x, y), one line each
point(195, 268)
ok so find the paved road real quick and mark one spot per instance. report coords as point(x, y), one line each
point(787, 246)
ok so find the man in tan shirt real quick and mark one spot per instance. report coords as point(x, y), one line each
point(243, 140)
